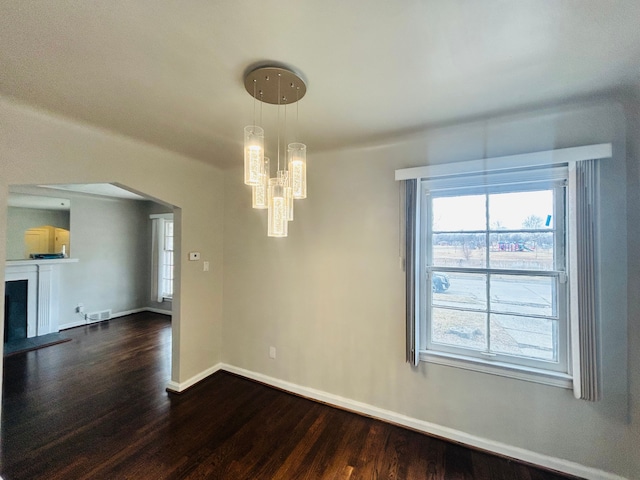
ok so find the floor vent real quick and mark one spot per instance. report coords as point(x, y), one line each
point(99, 316)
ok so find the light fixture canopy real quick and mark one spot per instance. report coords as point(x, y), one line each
point(267, 81)
point(281, 86)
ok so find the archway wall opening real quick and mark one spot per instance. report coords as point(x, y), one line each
point(42, 149)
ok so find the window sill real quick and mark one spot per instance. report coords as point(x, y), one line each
point(545, 377)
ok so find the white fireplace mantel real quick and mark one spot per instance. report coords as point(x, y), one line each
point(15, 263)
point(43, 291)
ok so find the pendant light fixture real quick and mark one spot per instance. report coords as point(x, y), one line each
point(279, 86)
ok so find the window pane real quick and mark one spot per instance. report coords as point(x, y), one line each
point(166, 286)
point(527, 295)
point(509, 315)
point(521, 251)
point(521, 210)
point(524, 336)
point(463, 290)
point(461, 213)
point(459, 328)
point(168, 235)
point(459, 250)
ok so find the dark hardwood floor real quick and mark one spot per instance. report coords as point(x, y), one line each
point(95, 407)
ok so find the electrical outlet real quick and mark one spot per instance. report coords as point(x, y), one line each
point(272, 352)
point(205, 266)
point(193, 256)
point(80, 308)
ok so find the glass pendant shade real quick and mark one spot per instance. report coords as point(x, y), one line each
point(277, 217)
point(289, 196)
point(260, 192)
point(285, 179)
point(253, 154)
point(297, 153)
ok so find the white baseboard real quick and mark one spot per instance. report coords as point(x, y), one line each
point(176, 387)
point(138, 310)
point(158, 310)
point(499, 448)
point(79, 323)
point(124, 313)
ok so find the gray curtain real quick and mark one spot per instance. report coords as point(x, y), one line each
point(410, 207)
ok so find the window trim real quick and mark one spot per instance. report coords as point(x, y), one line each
point(580, 380)
point(157, 259)
point(494, 164)
point(465, 358)
point(163, 264)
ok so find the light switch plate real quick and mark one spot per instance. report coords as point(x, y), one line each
point(194, 256)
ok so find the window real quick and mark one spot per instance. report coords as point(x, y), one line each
point(162, 259)
point(495, 271)
point(166, 263)
point(500, 257)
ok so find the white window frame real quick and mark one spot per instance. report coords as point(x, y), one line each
point(574, 374)
point(162, 259)
point(463, 357)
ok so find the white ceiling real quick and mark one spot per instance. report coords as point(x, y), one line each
point(171, 73)
point(103, 189)
point(32, 196)
point(24, 200)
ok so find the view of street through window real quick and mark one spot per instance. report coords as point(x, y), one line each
point(482, 309)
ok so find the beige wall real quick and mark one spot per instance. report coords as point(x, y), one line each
point(632, 109)
point(330, 296)
point(38, 148)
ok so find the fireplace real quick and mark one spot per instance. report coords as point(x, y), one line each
point(15, 310)
point(33, 288)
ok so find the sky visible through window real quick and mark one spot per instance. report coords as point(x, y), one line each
point(506, 211)
point(507, 313)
